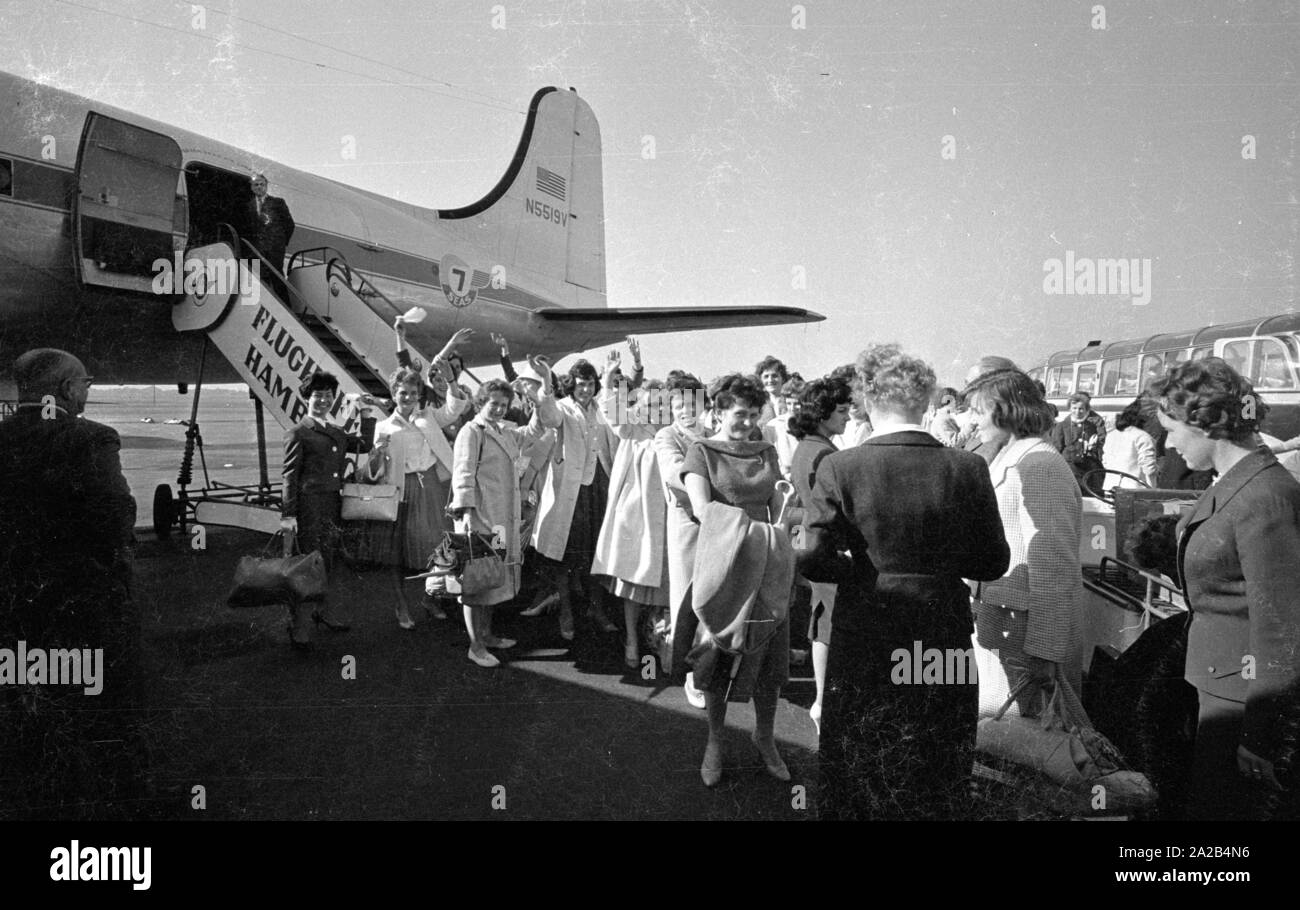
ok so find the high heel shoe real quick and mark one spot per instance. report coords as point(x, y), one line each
point(491, 641)
point(774, 763)
point(566, 625)
point(333, 625)
point(541, 606)
point(711, 768)
point(404, 618)
point(815, 715)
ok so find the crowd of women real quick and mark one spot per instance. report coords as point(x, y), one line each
point(890, 513)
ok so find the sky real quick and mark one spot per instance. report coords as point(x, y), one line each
point(912, 170)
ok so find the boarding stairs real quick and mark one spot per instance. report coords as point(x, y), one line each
point(334, 319)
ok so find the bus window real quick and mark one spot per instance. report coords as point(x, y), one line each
point(1270, 368)
point(1087, 378)
point(1152, 369)
point(1059, 381)
point(1119, 377)
point(1237, 355)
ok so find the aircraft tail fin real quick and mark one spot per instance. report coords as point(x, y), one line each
point(548, 209)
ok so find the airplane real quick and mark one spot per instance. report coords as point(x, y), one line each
point(120, 241)
point(91, 197)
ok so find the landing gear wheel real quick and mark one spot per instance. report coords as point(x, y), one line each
point(164, 511)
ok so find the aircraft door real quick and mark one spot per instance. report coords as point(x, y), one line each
point(128, 211)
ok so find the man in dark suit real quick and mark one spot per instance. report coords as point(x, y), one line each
point(315, 463)
point(269, 227)
point(66, 520)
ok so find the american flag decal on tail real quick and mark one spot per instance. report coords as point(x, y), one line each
point(550, 183)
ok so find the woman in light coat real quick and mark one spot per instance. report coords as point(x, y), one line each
point(1028, 622)
point(489, 462)
point(686, 401)
point(1129, 449)
point(631, 550)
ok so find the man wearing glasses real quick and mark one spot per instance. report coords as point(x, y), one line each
point(66, 519)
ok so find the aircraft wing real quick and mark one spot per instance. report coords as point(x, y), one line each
point(588, 327)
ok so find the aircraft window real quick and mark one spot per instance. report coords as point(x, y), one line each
point(1087, 378)
point(6, 177)
point(1202, 352)
point(1271, 368)
point(1236, 354)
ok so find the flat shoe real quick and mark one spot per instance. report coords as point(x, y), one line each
point(566, 626)
point(694, 697)
point(404, 619)
point(501, 643)
point(632, 656)
point(487, 660)
point(774, 763)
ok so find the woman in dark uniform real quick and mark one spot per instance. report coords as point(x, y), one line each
point(914, 519)
point(1239, 561)
point(315, 461)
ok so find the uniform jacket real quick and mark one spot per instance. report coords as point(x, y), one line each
point(915, 518)
point(1041, 510)
point(429, 421)
point(564, 473)
point(315, 459)
point(1239, 560)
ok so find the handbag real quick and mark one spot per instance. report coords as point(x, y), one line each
point(263, 580)
point(483, 568)
point(369, 502)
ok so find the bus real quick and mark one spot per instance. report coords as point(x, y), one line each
point(1264, 350)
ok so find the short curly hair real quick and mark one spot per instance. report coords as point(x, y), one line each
point(1212, 396)
point(405, 376)
point(737, 387)
point(771, 363)
point(482, 393)
point(1016, 403)
point(894, 380)
point(817, 403)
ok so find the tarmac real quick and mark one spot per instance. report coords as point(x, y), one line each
point(559, 731)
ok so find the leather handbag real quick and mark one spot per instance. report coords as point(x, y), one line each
point(369, 502)
point(287, 579)
point(1063, 745)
